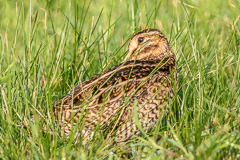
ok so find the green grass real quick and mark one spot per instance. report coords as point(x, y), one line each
point(48, 47)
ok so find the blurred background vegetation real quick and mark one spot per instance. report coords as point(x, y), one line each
point(47, 47)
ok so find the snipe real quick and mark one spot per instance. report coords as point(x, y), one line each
point(142, 81)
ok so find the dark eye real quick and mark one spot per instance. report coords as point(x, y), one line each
point(140, 39)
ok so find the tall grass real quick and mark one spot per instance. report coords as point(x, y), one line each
point(47, 47)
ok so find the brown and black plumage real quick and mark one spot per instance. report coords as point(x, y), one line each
point(143, 79)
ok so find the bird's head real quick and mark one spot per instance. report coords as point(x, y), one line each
point(149, 44)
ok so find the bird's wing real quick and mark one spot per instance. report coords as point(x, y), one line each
point(105, 96)
point(92, 88)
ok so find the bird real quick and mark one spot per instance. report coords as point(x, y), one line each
point(141, 83)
